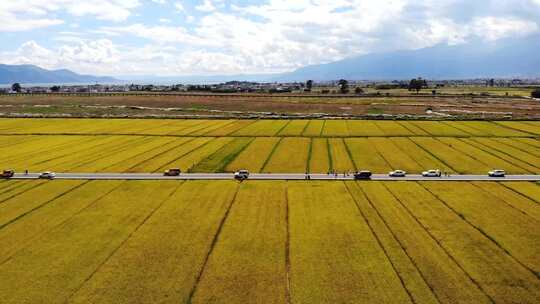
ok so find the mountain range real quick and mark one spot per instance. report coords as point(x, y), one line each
point(517, 57)
point(31, 74)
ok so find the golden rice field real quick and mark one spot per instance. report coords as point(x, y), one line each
point(269, 242)
point(288, 146)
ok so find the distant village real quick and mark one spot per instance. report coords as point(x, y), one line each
point(327, 87)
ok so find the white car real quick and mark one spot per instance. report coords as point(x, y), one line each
point(47, 175)
point(497, 173)
point(241, 174)
point(397, 173)
point(431, 173)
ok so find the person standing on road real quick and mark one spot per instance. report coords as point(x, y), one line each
point(25, 172)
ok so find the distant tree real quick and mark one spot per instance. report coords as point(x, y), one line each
point(536, 93)
point(417, 84)
point(358, 91)
point(343, 86)
point(309, 85)
point(16, 87)
point(491, 82)
point(55, 89)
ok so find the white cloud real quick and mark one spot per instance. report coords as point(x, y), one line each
point(207, 6)
point(165, 20)
point(179, 7)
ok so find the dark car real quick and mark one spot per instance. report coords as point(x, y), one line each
point(7, 174)
point(362, 175)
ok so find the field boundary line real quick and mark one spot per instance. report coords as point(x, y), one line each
point(381, 246)
point(504, 201)
point(330, 159)
point(2, 226)
point(212, 245)
point(310, 151)
point(231, 157)
point(93, 202)
point(483, 147)
point(349, 153)
point(161, 153)
point(514, 139)
point(274, 148)
point(305, 128)
point(287, 248)
point(433, 155)
point(380, 154)
point(474, 157)
point(20, 193)
point(537, 275)
point(446, 123)
point(438, 243)
point(148, 216)
point(188, 152)
point(322, 129)
point(519, 193)
point(512, 128)
point(282, 128)
point(405, 127)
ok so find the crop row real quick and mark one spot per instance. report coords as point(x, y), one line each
point(269, 241)
point(279, 128)
point(126, 153)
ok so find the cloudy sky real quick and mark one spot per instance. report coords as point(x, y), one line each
point(204, 37)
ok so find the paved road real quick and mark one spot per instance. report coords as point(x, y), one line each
point(272, 176)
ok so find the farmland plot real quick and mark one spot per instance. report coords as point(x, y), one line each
point(485, 263)
point(290, 155)
point(436, 128)
point(515, 154)
point(530, 190)
point(363, 128)
point(54, 266)
point(419, 155)
point(490, 128)
point(393, 128)
point(532, 129)
point(341, 161)
point(335, 128)
point(192, 158)
point(230, 128)
point(334, 256)
point(521, 145)
point(248, 261)
point(262, 128)
point(446, 278)
point(396, 158)
point(365, 156)
point(171, 247)
point(218, 161)
point(319, 161)
point(314, 128)
point(514, 231)
point(294, 128)
point(254, 156)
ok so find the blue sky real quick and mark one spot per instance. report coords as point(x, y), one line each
point(209, 37)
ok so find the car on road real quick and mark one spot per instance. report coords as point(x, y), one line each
point(397, 173)
point(47, 175)
point(241, 174)
point(364, 174)
point(431, 173)
point(172, 172)
point(497, 173)
point(7, 174)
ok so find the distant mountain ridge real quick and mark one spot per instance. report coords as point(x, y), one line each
point(31, 74)
point(505, 58)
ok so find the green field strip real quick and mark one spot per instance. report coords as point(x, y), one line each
point(460, 162)
point(294, 128)
point(341, 160)
point(290, 156)
point(447, 279)
point(32, 199)
point(218, 161)
point(410, 276)
point(54, 266)
point(416, 131)
point(527, 189)
point(169, 158)
point(330, 158)
point(335, 128)
point(19, 234)
point(334, 256)
point(248, 262)
point(393, 128)
point(512, 198)
point(365, 156)
point(319, 161)
point(191, 159)
point(520, 127)
point(254, 156)
point(503, 153)
point(481, 156)
point(314, 128)
point(309, 156)
point(422, 157)
point(513, 231)
point(520, 145)
point(490, 267)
